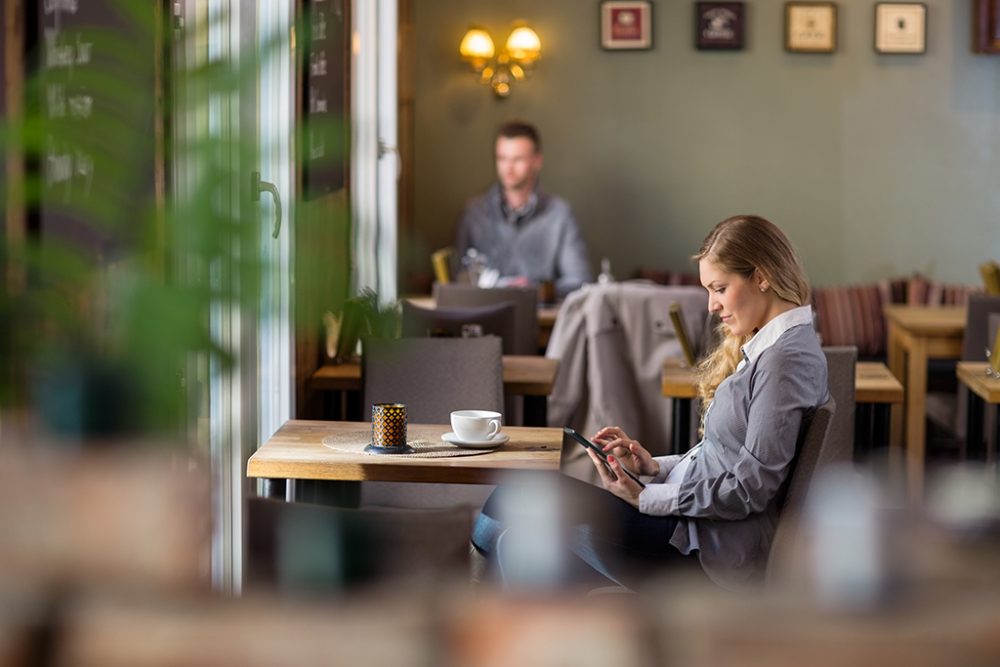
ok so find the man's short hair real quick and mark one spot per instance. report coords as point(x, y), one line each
point(517, 128)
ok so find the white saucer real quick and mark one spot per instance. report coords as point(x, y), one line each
point(495, 441)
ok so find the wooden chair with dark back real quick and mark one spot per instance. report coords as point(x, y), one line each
point(525, 300)
point(495, 320)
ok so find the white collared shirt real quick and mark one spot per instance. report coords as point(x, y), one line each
point(770, 332)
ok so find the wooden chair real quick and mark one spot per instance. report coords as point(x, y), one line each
point(433, 377)
point(496, 320)
point(991, 277)
point(525, 300)
point(816, 450)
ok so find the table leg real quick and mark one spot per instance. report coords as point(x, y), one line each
point(996, 433)
point(536, 410)
point(974, 449)
point(681, 425)
point(916, 397)
point(326, 492)
point(273, 488)
point(896, 360)
point(881, 424)
point(863, 431)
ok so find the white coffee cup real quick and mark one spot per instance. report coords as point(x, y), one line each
point(475, 425)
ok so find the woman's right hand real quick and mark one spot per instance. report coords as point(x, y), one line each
point(629, 452)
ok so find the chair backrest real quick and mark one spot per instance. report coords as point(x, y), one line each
point(496, 320)
point(433, 376)
point(814, 452)
point(300, 547)
point(525, 300)
point(994, 328)
point(840, 364)
point(976, 337)
point(991, 277)
point(710, 335)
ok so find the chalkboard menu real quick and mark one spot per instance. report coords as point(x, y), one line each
point(98, 153)
point(326, 58)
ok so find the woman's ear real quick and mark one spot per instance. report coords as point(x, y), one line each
point(762, 282)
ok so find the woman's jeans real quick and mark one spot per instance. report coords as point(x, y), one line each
point(602, 531)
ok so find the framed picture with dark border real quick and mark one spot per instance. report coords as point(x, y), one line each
point(626, 24)
point(986, 26)
point(811, 27)
point(719, 25)
point(900, 27)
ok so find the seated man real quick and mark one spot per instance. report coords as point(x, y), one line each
point(524, 234)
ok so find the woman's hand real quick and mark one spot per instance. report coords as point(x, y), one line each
point(615, 480)
point(630, 454)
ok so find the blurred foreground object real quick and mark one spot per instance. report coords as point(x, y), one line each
point(130, 518)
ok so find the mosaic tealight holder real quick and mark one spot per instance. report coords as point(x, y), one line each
point(388, 429)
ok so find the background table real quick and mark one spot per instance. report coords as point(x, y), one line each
point(982, 389)
point(547, 314)
point(876, 390)
point(523, 375)
point(917, 334)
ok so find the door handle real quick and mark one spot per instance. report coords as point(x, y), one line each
point(258, 186)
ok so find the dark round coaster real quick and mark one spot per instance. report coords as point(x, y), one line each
point(402, 449)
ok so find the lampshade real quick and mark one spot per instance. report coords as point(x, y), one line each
point(477, 45)
point(523, 44)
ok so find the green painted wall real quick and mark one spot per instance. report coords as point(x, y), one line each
point(876, 165)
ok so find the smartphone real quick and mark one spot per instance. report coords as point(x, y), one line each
point(584, 442)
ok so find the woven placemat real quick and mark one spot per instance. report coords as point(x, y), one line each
point(355, 443)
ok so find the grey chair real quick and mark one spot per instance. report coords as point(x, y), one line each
point(496, 320)
point(817, 449)
point(525, 300)
point(306, 548)
point(840, 364)
point(433, 377)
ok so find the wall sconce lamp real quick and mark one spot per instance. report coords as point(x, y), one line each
point(512, 64)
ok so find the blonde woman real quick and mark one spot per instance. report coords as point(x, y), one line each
point(717, 505)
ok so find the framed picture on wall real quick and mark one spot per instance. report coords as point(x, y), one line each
point(900, 27)
point(719, 25)
point(986, 26)
point(626, 25)
point(811, 27)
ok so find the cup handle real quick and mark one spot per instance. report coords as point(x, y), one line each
point(495, 428)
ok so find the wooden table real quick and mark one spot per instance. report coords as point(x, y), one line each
point(296, 451)
point(547, 314)
point(876, 390)
point(982, 389)
point(530, 376)
point(523, 375)
point(917, 334)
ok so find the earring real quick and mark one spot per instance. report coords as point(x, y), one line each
point(763, 288)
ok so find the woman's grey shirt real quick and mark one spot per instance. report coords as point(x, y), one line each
point(728, 499)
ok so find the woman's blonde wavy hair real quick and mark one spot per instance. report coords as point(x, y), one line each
point(745, 244)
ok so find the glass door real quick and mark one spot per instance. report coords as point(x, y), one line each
point(233, 167)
